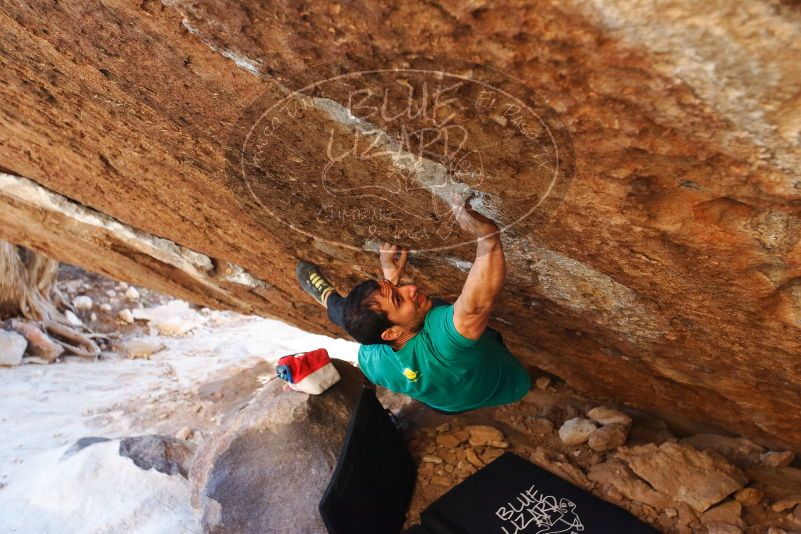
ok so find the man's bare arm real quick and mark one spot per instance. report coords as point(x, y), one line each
point(485, 280)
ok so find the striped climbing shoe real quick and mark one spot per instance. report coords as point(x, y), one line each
point(312, 282)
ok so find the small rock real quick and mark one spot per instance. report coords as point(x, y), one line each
point(82, 303)
point(131, 293)
point(105, 307)
point(432, 459)
point(473, 459)
point(482, 435)
point(122, 286)
point(39, 344)
point(110, 293)
point(748, 496)
point(777, 459)
point(775, 530)
point(448, 440)
point(671, 512)
point(12, 347)
point(728, 512)
point(539, 425)
point(498, 444)
point(782, 505)
point(606, 416)
point(608, 437)
point(723, 528)
point(72, 318)
point(440, 481)
point(126, 316)
point(730, 447)
point(140, 347)
point(444, 427)
point(93, 317)
point(543, 382)
point(490, 454)
point(576, 431)
point(617, 476)
point(35, 360)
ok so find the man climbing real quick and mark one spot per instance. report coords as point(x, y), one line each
point(442, 355)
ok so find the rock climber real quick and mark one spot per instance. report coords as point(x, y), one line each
point(443, 355)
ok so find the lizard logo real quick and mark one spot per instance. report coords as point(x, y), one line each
point(413, 376)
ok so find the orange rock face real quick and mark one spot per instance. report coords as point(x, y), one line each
point(661, 269)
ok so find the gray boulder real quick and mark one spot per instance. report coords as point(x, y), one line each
point(266, 468)
point(165, 454)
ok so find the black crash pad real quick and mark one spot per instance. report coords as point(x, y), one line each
point(513, 496)
point(372, 484)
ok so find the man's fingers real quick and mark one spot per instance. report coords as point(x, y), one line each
point(404, 255)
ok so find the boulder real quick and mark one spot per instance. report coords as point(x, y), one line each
point(266, 467)
point(165, 454)
point(12, 347)
point(700, 479)
point(606, 416)
point(576, 431)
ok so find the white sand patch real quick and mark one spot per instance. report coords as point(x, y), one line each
point(44, 409)
point(96, 491)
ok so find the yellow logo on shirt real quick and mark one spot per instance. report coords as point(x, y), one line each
point(411, 375)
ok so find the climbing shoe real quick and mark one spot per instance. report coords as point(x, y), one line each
point(312, 282)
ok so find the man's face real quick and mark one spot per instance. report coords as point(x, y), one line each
point(405, 306)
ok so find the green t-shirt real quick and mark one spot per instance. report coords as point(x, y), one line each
point(446, 370)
